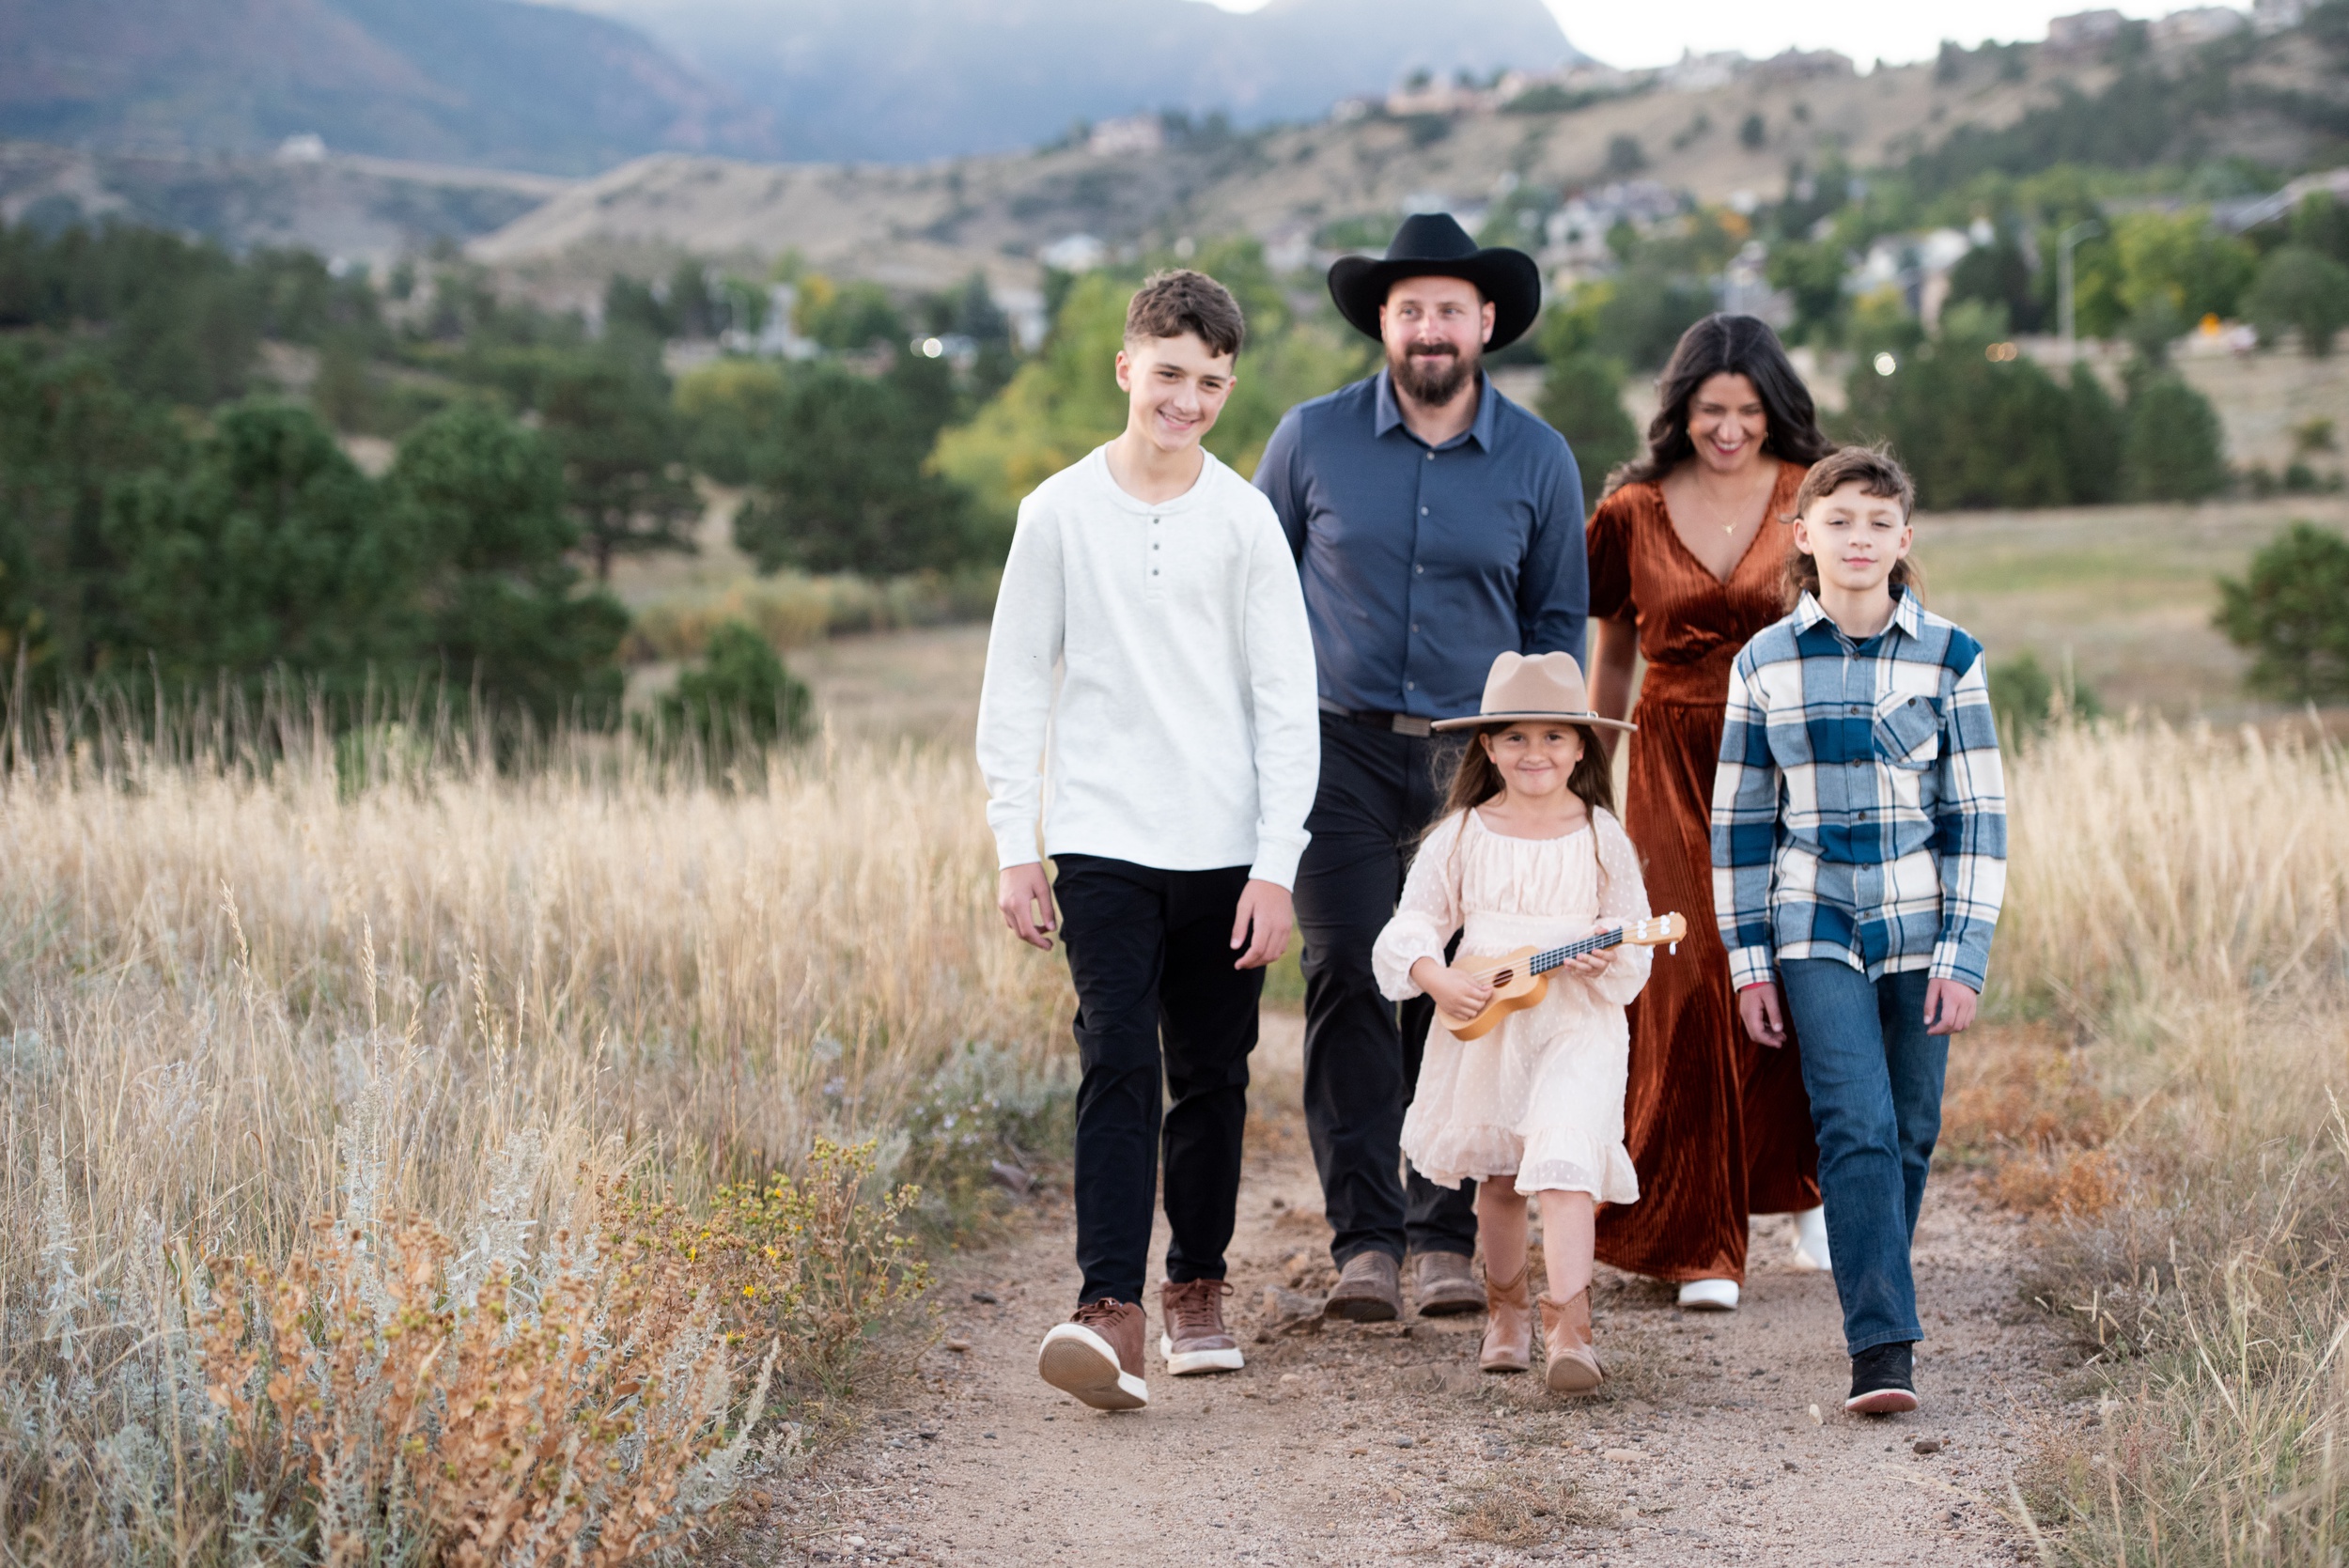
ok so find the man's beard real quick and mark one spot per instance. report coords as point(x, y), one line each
point(1434, 378)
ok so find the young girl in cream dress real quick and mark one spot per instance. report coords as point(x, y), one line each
point(1527, 852)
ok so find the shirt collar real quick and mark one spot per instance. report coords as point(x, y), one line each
point(1388, 413)
point(1907, 614)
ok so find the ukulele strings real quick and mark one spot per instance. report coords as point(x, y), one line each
point(1542, 963)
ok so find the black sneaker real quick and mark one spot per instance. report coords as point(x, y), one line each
point(1883, 1380)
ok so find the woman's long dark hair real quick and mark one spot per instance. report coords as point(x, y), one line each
point(1725, 344)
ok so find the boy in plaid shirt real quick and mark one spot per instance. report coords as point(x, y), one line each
point(1859, 860)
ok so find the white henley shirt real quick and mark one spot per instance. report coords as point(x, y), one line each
point(1186, 735)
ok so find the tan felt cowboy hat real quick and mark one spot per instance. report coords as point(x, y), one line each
point(1545, 686)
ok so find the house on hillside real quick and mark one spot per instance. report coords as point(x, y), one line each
point(1574, 236)
point(2198, 25)
point(2084, 32)
point(1131, 133)
point(1803, 65)
point(1697, 73)
point(1918, 265)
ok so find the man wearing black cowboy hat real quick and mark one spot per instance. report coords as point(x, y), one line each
point(1436, 525)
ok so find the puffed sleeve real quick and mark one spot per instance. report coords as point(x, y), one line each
point(1623, 898)
point(1607, 545)
point(1428, 915)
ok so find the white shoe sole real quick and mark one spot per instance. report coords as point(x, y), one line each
point(1194, 1361)
point(1882, 1402)
point(1709, 1295)
point(1081, 1363)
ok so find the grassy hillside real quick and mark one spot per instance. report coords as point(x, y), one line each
point(2244, 103)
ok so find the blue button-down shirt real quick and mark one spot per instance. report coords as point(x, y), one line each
point(1421, 564)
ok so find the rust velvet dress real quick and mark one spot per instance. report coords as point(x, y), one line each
point(1718, 1127)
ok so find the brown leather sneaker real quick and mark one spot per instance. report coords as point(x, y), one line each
point(1370, 1290)
point(1444, 1285)
point(1195, 1339)
point(1096, 1356)
point(1509, 1330)
point(1570, 1364)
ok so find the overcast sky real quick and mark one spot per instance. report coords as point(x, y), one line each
point(1653, 32)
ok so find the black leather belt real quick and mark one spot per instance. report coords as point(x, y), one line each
point(1401, 723)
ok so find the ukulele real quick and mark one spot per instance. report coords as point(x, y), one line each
point(1520, 979)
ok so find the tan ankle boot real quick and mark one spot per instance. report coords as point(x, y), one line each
point(1508, 1325)
point(1571, 1364)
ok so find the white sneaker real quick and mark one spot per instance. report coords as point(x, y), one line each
point(1811, 1253)
point(1709, 1295)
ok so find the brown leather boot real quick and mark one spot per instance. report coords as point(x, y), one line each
point(1571, 1364)
point(1508, 1325)
point(1369, 1291)
point(1444, 1285)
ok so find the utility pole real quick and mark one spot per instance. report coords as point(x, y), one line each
point(2065, 243)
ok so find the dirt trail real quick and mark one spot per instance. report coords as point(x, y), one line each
point(1719, 1436)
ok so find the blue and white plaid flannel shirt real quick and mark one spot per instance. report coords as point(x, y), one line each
point(1859, 809)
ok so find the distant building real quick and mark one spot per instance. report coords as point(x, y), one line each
point(2084, 32)
point(1918, 265)
point(1746, 287)
point(1803, 65)
point(1434, 97)
point(2199, 24)
point(777, 337)
point(1074, 253)
point(1574, 236)
point(1697, 73)
point(1134, 134)
point(2237, 216)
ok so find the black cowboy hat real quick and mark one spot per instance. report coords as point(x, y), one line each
point(1432, 244)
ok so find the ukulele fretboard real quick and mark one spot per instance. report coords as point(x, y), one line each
point(1542, 963)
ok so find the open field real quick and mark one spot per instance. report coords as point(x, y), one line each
point(413, 999)
point(383, 981)
point(2125, 594)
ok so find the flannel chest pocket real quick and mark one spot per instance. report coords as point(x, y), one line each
point(1909, 730)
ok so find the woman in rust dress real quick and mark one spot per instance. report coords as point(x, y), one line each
point(1687, 555)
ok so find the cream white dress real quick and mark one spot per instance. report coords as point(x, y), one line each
point(1541, 1096)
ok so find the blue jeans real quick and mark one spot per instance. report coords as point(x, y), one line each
point(1875, 1079)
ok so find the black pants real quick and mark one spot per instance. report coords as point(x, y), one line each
point(1150, 952)
point(1378, 790)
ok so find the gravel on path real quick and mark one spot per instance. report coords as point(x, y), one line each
point(1720, 1438)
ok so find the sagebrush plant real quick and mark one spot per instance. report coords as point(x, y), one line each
point(300, 1050)
point(2179, 914)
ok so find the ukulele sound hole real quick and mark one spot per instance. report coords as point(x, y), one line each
point(1504, 977)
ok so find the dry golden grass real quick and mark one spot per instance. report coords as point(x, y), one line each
point(2177, 907)
point(294, 1018)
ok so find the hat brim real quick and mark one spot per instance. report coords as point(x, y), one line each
point(1478, 721)
point(1510, 279)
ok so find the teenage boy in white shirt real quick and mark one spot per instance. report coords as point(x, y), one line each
point(1179, 761)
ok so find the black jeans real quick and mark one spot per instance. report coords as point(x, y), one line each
point(1378, 790)
point(1150, 952)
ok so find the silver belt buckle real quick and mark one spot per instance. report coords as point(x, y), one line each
point(1409, 725)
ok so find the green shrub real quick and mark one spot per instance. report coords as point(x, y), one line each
point(2291, 613)
point(2300, 289)
point(2025, 697)
point(1979, 431)
point(741, 696)
point(2175, 449)
point(1582, 399)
